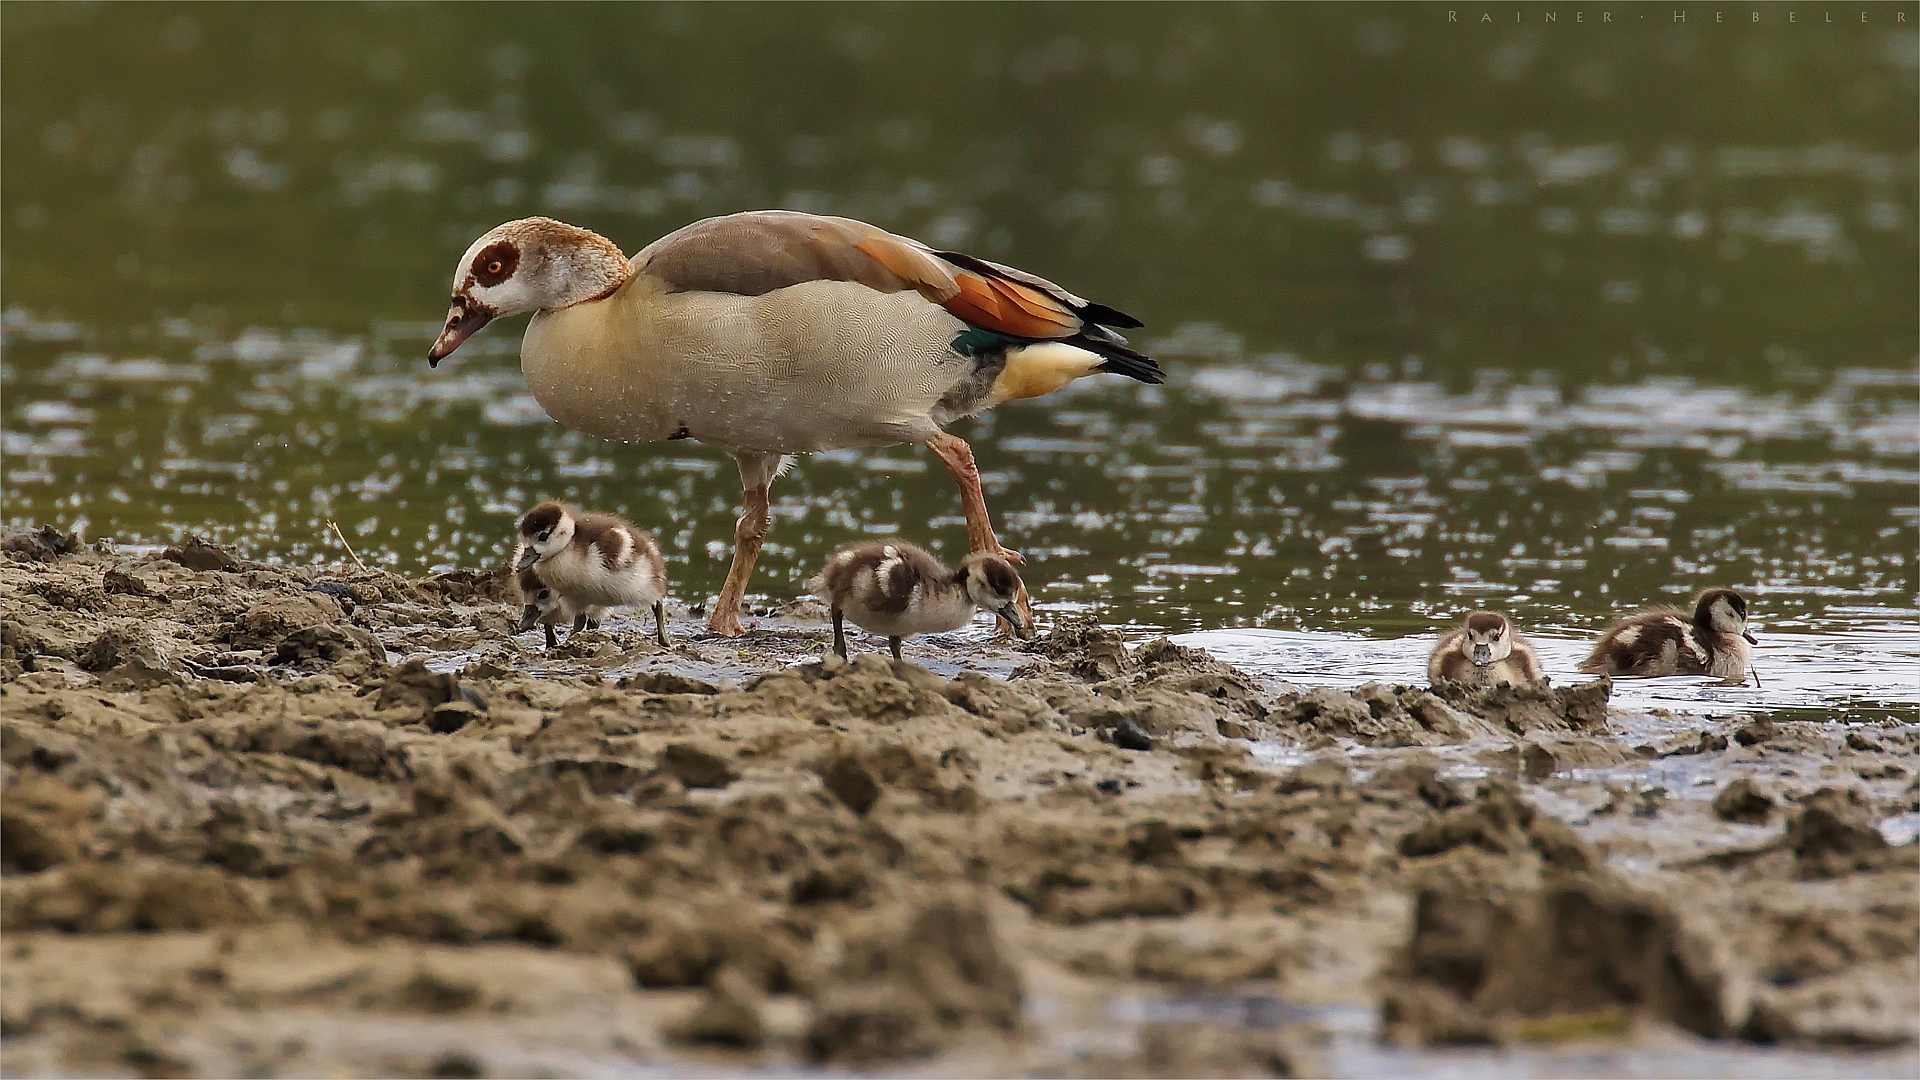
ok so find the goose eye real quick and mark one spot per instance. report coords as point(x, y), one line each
point(494, 267)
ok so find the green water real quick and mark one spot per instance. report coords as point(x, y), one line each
point(1560, 318)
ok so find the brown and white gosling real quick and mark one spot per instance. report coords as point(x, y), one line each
point(1714, 640)
point(892, 588)
point(594, 562)
point(546, 608)
point(1486, 651)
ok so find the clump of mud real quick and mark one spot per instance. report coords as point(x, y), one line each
point(1524, 933)
point(1521, 932)
point(904, 990)
point(272, 797)
point(1387, 716)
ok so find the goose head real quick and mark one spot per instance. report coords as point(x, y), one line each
point(1488, 638)
point(1724, 612)
point(993, 585)
point(539, 597)
point(533, 264)
point(546, 530)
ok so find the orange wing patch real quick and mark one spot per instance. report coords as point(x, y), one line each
point(929, 276)
point(1010, 308)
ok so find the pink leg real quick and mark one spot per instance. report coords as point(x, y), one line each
point(954, 452)
point(958, 458)
point(756, 475)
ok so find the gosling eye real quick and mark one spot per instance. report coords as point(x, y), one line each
point(543, 536)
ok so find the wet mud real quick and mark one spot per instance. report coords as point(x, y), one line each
point(273, 820)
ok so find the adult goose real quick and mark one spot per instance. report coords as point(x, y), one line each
point(770, 333)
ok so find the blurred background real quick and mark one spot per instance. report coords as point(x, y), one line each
point(1560, 317)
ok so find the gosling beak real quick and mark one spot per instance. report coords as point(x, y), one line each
point(527, 558)
point(1022, 624)
point(1748, 634)
point(528, 619)
point(1482, 655)
point(462, 321)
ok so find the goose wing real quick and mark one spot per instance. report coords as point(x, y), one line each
point(757, 252)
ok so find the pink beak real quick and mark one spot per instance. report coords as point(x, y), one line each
point(462, 323)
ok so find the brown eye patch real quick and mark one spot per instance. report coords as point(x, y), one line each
point(495, 263)
point(541, 520)
point(1000, 578)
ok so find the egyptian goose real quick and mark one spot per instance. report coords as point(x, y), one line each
point(593, 562)
point(1714, 641)
point(892, 588)
point(1485, 651)
point(770, 333)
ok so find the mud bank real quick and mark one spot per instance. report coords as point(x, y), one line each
point(272, 820)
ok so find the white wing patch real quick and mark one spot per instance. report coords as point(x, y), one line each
point(889, 558)
point(1688, 642)
point(625, 555)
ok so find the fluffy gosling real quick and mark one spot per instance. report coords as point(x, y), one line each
point(892, 588)
point(544, 607)
point(1714, 641)
point(594, 562)
point(1486, 651)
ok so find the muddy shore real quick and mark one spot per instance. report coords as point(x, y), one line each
point(265, 820)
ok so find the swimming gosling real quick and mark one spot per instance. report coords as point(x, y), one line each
point(1714, 641)
point(893, 588)
point(594, 562)
point(1486, 651)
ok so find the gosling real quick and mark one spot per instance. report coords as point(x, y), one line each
point(1666, 641)
point(593, 563)
point(546, 608)
point(898, 590)
point(1484, 652)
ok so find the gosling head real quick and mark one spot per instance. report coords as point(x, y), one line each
point(546, 530)
point(533, 264)
point(993, 585)
point(1488, 638)
point(1724, 612)
point(540, 599)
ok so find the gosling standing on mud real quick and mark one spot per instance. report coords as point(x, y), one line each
point(593, 562)
point(1484, 652)
point(545, 608)
point(896, 589)
point(1666, 641)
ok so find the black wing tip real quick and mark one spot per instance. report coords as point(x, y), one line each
point(1102, 315)
point(1134, 366)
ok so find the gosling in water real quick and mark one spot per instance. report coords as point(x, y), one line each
point(1484, 652)
point(893, 588)
point(1713, 640)
point(594, 562)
